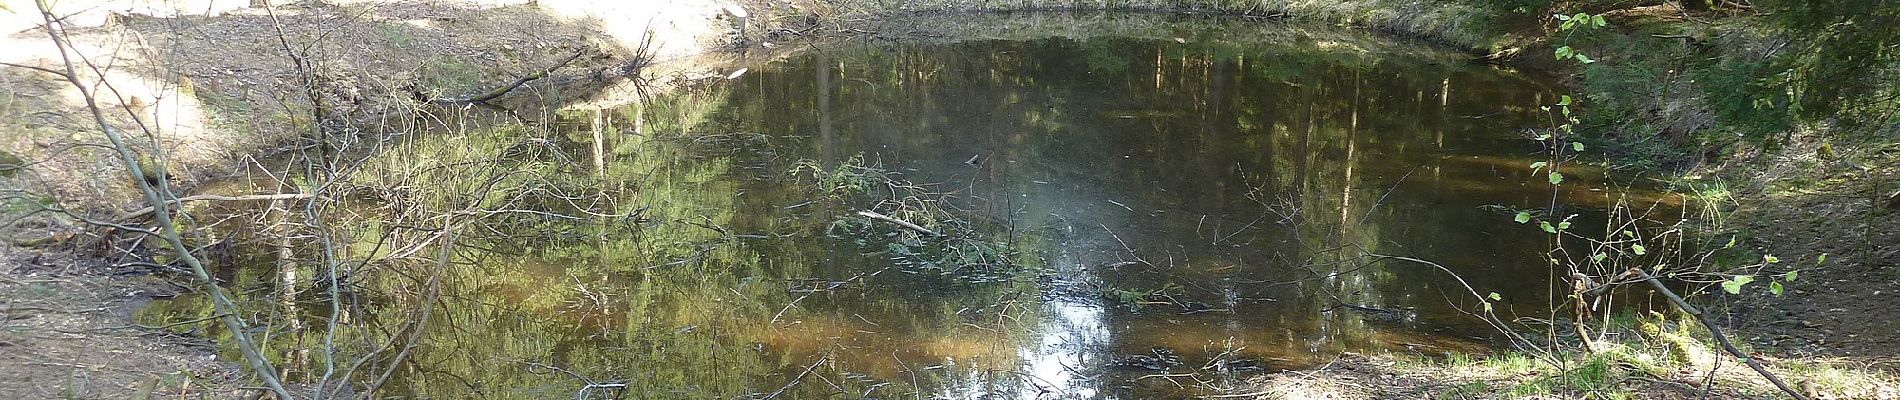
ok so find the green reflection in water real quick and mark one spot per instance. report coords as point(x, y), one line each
point(666, 249)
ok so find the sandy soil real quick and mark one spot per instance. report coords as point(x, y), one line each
point(65, 333)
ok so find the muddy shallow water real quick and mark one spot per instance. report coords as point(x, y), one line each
point(1180, 211)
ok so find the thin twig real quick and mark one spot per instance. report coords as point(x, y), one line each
point(41, 69)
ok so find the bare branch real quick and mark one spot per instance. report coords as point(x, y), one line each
point(1716, 331)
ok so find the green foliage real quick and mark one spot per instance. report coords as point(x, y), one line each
point(1734, 285)
point(854, 177)
point(1842, 54)
point(963, 252)
point(1593, 375)
point(1134, 299)
point(1750, 105)
point(10, 164)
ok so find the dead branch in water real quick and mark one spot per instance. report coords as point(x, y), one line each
point(1716, 331)
point(906, 224)
point(212, 197)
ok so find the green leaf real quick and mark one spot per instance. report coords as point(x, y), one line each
point(1523, 216)
point(1771, 259)
point(1576, 146)
point(1538, 165)
point(1598, 20)
point(1734, 285)
point(1487, 307)
point(1561, 17)
point(1563, 225)
point(1495, 297)
point(1599, 257)
point(1821, 259)
point(1585, 59)
point(1639, 249)
point(1791, 275)
point(1547, 227)
point(1774, 287)
point(1556, 178)
point(1566, 99)
point(1543, 137)
point(1731, 243)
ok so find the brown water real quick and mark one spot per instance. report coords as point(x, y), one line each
point(1209, 198)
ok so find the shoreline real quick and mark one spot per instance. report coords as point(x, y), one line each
point(676, 72)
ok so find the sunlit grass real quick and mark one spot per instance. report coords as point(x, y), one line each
point(1642, 351)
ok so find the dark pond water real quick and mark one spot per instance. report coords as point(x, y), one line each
point(1177, 215)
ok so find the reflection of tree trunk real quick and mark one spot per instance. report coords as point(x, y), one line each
point(1444, 109)
point(1220, 124)
point(827, 147)
point(600, 147)
point(287, 289)
point(1444, 118)
point(1322, 325)
point(1349, 285)
point(1158, 76)
point(1352, 152)
point(1306, 143)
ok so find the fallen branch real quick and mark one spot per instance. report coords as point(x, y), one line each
point(491, 94)
point(1717, 332)
point(212, 197)
point(899, 222)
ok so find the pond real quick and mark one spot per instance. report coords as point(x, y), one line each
point(1147, 213)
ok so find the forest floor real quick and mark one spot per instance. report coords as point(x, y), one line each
point(67, 332)
point(1836, 221)
point(66, 321)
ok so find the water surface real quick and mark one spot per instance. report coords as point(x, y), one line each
point(1182, 209)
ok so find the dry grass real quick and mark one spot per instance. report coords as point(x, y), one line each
point(1666, 361)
